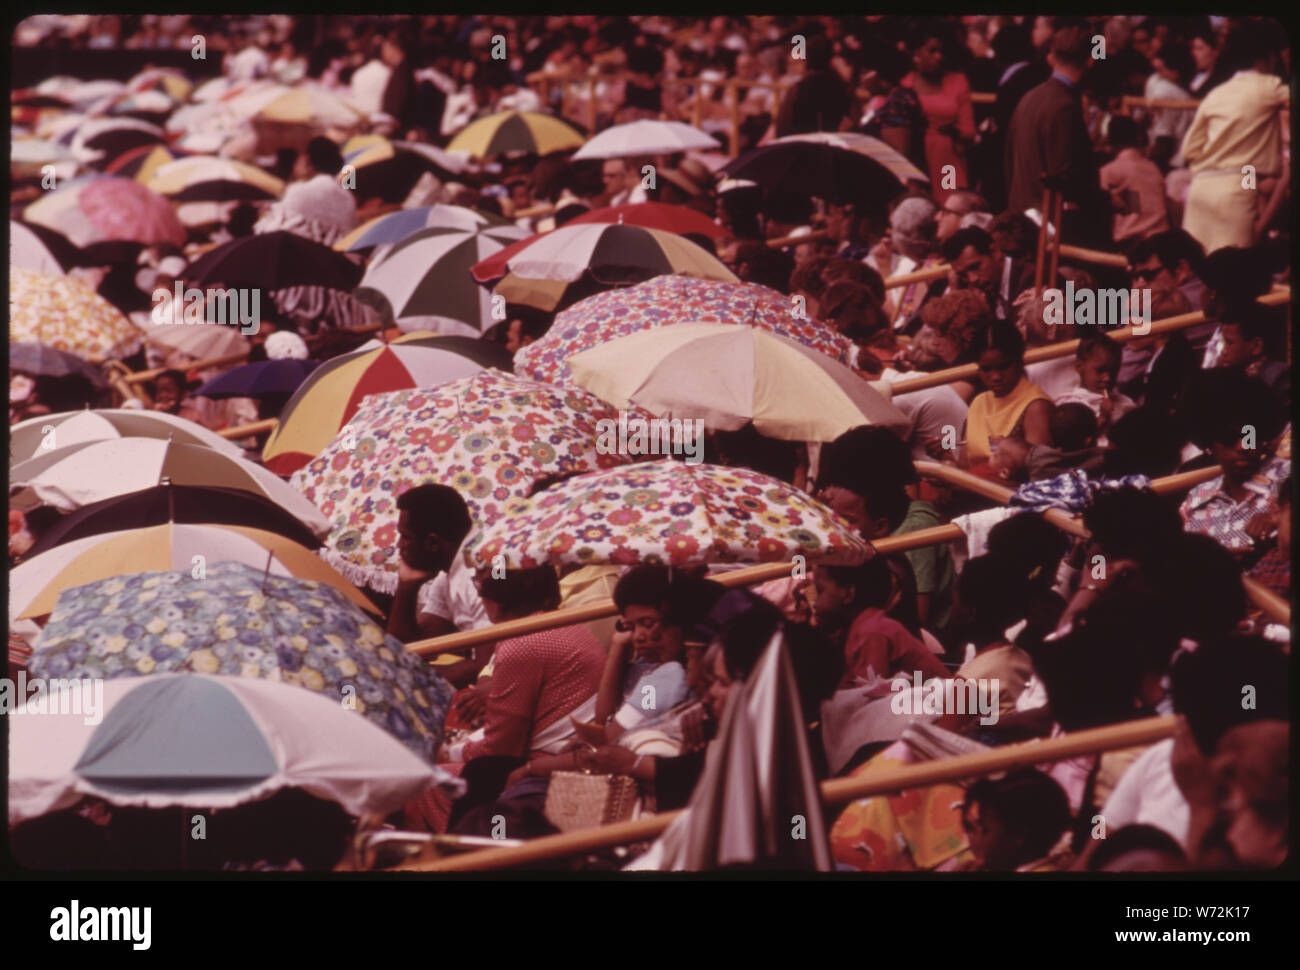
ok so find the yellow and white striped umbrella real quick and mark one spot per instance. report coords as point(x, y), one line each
point(515, 131)
point(728, 376)
point(64, 313)
point(35, 585)
point(186, 179)
point(302, 105)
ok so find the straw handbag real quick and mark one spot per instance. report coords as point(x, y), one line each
point(576, 800)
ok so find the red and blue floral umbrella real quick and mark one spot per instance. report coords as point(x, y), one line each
point(490, 436)
point(663, 301)
point(667, 512)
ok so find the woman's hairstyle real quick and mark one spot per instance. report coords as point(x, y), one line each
point(992, 591)
point(645, 585)
point(1003, 336)
point(1177, 56)
point(956, 308)
point(1136, 838)
point(524, 591)
point(1029, 804)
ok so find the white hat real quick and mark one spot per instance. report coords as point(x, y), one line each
point(285, 345)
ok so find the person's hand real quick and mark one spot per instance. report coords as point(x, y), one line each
point(620, 643)
point(694, 728)
point(516, 776)
point(612, 759)
point(410, 576)
point(1260, 527)
point(1105, 408)
point(935, 449)
point(471, 705)
point(588, 732)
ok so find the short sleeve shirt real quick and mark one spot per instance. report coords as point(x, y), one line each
point(1210, 510)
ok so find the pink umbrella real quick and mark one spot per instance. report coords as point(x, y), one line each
point(103, 208)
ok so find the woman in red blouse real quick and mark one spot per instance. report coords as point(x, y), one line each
point(945, 99)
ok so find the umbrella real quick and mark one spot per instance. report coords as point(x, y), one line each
point(666, 512)
point(650, 215)
point(389, 169)
point(839, 168)
point(76, 475)
point(247, 623)
point(64, 251)
point(205, 178)
point(197, 342)
point(515, 131)
point(151, 106)
point(97, 137)
point(301, 105)
point(169, 81)
point(646, 137)
point(424, 283)
point(273, 261)
point(28, 251)
point(32, 358)
point(729, 376)
point(263, 378)
point(43, 434)
point(758, 779)
point(140, 163)
point(174, 503)
point(663, 301)
point(209, 743)
point(108, 207)
point(84, 93)
point(66, 314)
point(393, 228)
point(36, 583)
point(29, 156)
point(331, 395)
point(490, 436)
point(613, 255)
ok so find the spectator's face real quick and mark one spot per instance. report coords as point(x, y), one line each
point(850, 507)
point(948, 219)
point(974, 270)
point(417, 551)
point(650, 639)
point(167, 396)
point(1098, 371)
point(615, 175)
point(1237, 350)
point(720, 683)
point(1000, 372)
point(928, 58)
point(987, 837)
point(1153, 274)
point(1203, 54)
point(1237, 461)
point(828, 599)
point(1142, 42)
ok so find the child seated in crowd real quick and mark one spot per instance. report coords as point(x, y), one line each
point(1097, 363)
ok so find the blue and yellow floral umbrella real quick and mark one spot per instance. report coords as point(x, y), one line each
point(237, 620)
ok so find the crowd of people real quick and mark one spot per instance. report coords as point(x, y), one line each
point(1148, 614)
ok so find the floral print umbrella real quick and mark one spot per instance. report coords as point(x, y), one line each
point(64, 313)
point(662, 301)
point(240, 622)
point(489, 436)
point(667, 512)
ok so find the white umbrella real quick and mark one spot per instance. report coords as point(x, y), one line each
point(41, 435)
point(26, 251)
point(70, 477)
point(208, 742)
point(646, 137)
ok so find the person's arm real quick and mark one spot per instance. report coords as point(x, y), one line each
point(923, 608)
point(610, 694)
point(1037, 416)
point(402, 622)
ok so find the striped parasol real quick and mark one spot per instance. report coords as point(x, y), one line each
point(515, 131)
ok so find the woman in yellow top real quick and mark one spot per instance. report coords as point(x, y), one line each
point(1013, 406)
point(1242, 122)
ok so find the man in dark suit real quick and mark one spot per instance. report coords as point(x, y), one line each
point(1048, 137)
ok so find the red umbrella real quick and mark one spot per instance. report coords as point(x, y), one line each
point(650, 215)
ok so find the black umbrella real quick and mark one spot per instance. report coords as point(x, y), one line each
point(840, 168)
point(274, 261)
point(175, 503)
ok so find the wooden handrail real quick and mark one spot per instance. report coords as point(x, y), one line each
point(244, 430)
point(142, 376)
point(750, 575)
point(837, 791)
point(1065, 348)
point(796, 240)
point(1269, 602)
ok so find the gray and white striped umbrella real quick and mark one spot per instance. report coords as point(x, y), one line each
point(424, 282)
